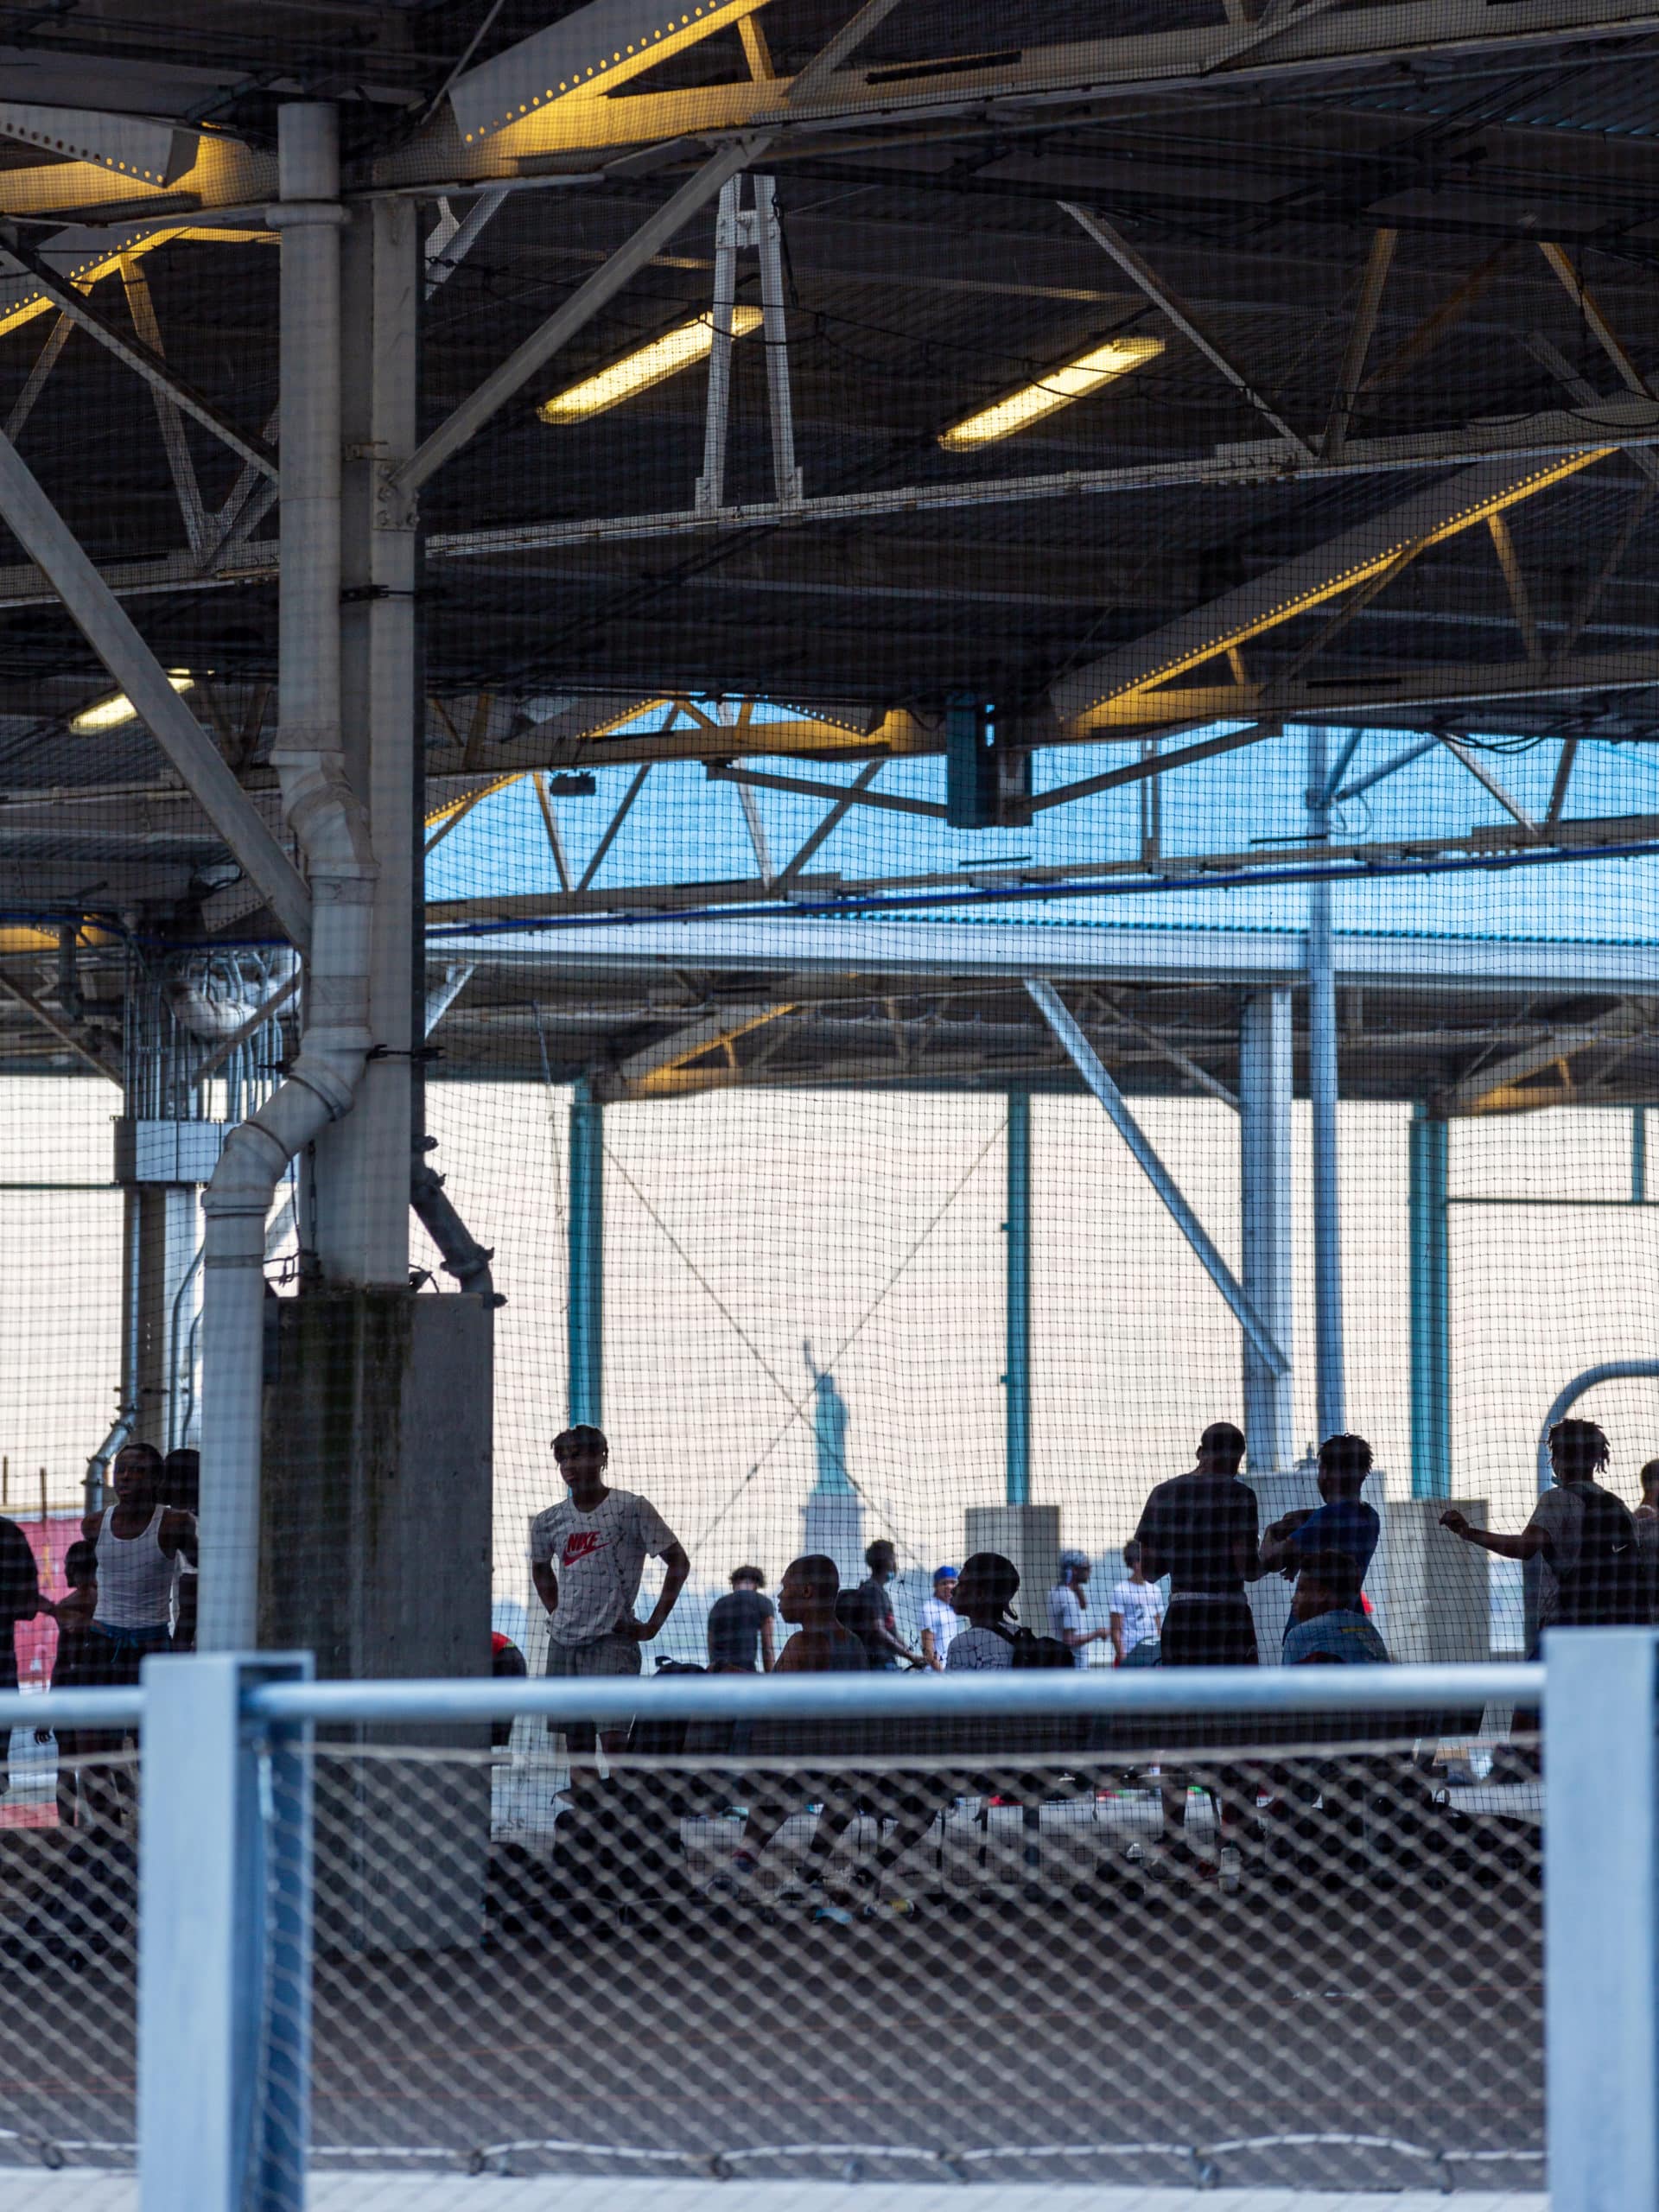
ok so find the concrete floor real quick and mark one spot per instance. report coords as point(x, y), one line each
point(92, 2192)
point(1090, 2022)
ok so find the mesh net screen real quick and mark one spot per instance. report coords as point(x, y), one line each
point(996, 1951)
point(1006, 809)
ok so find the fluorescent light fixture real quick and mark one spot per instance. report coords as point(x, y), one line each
point(637, 371)
point(1034, 403)
point(115, 710)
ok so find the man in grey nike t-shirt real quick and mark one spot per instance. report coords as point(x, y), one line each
point(587, 1554)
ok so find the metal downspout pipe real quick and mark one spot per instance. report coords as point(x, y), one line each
point(333, 838)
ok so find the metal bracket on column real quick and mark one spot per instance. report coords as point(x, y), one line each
point(396, 506)
point(754, 229)
point(1088, 1064)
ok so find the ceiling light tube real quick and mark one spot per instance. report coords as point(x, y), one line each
point(115, 710)
point(1034, 402)
point(637, 371)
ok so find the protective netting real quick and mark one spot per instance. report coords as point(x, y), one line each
point(979, 1950)
point(1004, 823)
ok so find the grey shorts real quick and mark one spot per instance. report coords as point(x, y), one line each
point(605, 1655)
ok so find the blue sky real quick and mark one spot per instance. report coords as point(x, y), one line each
point(684, 828)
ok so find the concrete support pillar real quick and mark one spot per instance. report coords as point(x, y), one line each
point(586, 1306)
point(1323, 1091)
point(1430, 1316)
point(362, 1174)
point(1017, 1229)
point(1264, 1100)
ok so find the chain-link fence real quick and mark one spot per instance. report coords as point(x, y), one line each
point(68, 1948)
point(1050, 1947)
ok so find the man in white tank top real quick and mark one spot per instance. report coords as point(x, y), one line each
point(141, 1544)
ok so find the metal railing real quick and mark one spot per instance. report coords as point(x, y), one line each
point(228, 1826)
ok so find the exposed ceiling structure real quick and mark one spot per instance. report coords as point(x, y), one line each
point(1151, 376)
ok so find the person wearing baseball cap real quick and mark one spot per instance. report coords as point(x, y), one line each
point(940, 1619)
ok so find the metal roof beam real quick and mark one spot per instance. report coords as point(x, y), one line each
point(653, 1073)
point(1371, 286)
point(529, 907)
point(1068, 1032)
point(601, 289)
point(831, 822)
point(1084, 696)
point(844, 794)
point(1080, 73)
point(107, 628)
point(1621, 423)
point(69, 300)
point(1589, 310)
point(61, 1030)
point(1480, 1092)
point(1494, 784)
point(1175, 310)
point(141, 307)
point(1443, 683)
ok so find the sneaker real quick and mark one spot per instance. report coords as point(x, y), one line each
point(838, 1915)
point(889, 1907)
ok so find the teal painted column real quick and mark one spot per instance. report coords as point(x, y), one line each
point(587, 1315)
point(1431, 1311)
point(1017, 1229)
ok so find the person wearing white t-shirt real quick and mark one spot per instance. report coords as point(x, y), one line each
point(940, 1621)
point(587, 1555)
point(1135, 1610)
point(1067, 1605)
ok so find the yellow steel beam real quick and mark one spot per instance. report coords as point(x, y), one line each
point(1091, 698)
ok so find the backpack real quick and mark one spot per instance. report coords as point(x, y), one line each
point(1031, 1649)
point(1606, 1588)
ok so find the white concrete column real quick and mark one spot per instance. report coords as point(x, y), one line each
point(363, 1161)
point(1264, 1099)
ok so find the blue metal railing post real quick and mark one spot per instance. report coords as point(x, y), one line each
point(1431, 1309)
point(1601, 1917)
point(224, 1940)
point(587, 1311)
point(1017, 1228)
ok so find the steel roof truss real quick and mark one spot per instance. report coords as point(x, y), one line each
point(1175, 310)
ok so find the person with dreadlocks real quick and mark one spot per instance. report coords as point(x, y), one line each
point(1583, 1535)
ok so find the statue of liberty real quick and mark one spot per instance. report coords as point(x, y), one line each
point(832, 1520)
